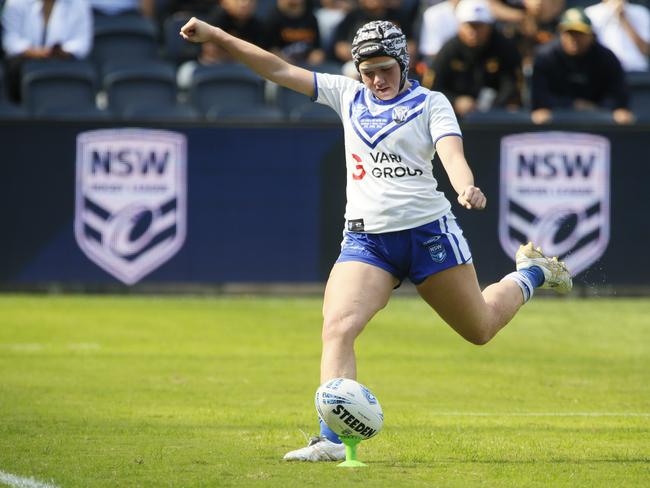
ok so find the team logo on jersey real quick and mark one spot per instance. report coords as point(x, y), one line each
point(399, 114)
point(130, 211)
point(555, 193)
point(374, 122)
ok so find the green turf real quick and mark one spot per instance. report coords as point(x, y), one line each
point(132, 391)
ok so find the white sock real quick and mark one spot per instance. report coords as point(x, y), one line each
point(527, 287)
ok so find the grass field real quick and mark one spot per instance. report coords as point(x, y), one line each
point(183, 392)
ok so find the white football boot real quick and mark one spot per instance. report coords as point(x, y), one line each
point(556, 275)
point(318, 449)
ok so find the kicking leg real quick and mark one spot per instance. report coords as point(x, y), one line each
point(477, 316)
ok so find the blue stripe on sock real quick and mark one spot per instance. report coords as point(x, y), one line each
point(328, 433)
point(535, 275)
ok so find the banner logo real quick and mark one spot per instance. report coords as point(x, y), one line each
point(130, 208)
point(555, 192)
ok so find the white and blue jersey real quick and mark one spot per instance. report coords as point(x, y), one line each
point(389, 147)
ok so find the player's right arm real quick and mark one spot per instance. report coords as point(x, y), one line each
point(264, 63)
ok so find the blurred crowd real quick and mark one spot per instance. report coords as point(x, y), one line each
point(537, 57)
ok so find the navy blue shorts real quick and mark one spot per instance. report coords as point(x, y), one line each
point(412, 253)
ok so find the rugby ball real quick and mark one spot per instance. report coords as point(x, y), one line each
point(349, 408)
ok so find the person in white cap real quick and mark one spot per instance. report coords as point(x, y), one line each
point(479, 68)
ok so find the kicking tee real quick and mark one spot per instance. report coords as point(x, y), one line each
point(389, 147)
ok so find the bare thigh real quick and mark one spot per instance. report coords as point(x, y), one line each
point(456, 296)
point(355, 292)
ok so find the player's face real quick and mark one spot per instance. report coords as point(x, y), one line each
point(381, 75)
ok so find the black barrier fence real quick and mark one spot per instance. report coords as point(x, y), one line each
point(102, 205)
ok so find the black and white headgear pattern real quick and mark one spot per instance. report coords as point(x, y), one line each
point(381, 38)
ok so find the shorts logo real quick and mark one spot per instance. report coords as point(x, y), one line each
point(555, 193)
point(130, 209)
point(437, 252)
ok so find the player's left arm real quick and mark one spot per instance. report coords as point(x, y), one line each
point(450, 151)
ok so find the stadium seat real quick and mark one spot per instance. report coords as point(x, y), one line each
point(61, 86)
point(498, 116)
point(177, 49)
point(583, 117)
point(246, 114)
point(314, 112)
point(288, 100)
point(72, 113)
point(9, 111)
point(163, 113)
point(133, 89)
point(125, 38)
point(639, 86)
point(225, 86)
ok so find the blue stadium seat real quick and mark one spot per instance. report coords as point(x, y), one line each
point(225, 86)
point(162, 113)
point(583, 117)
point(177, 49)
point(124, 37)
point(72, 113)
point(498, 116)
point(288, 100)
point(9, 111)
point(58, 86)
point(246, 114)
point(639, 86)
point(139, 87)
point(314, 112)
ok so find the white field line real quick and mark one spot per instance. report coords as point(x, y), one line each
point(18, 482)
point(542, 414)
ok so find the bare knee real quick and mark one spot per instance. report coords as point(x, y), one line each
point(341, 327)
point(476, 333)
point(479, 339)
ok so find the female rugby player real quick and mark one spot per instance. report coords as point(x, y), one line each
point(397, 224)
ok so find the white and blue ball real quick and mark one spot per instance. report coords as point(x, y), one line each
point(349, 408)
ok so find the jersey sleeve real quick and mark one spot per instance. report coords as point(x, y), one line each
point(330, 90)
point(442, 119)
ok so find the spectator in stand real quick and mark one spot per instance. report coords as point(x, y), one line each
point(478, 68)
point(329, 16)
point(236, 17)
point(368, 11)
point(625, 29)
point(122, 7)
point(198, 8)
point(576, 71)
point(292, 33)
point(529, 22)
point(44, 29)
point(439, 24)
